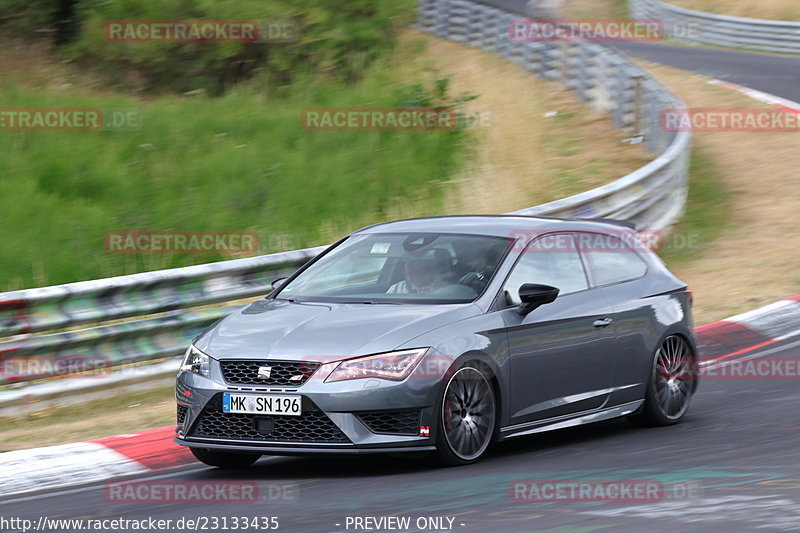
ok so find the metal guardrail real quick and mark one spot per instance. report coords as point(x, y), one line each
point(697, 27)
point(34, 319)
point(652, 196)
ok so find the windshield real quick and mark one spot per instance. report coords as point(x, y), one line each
point(401, 268)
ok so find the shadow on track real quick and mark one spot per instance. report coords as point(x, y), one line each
point(502, 456)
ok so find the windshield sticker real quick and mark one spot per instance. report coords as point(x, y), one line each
point(380, 248)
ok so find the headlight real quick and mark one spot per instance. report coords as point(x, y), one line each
point(196, 361)
point(394, 366)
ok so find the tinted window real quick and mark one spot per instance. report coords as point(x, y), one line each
point(549, 260)
point(611, 259)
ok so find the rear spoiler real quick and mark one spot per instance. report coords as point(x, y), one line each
point(614, 222)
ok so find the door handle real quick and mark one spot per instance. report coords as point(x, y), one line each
point(603, 322)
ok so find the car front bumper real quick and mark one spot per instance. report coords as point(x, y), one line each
point(289, 449)
point(339, 417)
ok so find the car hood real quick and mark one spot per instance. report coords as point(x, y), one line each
point(279, 329)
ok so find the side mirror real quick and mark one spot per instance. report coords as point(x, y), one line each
point(278, 283)
point(533, 296)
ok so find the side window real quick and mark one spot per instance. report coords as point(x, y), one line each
point(549, 260)
point(610, 259)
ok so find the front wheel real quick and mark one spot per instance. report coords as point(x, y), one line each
point(467, 417)
point(671, 384)
point(224, 459)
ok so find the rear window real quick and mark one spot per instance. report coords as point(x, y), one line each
point(611, 259)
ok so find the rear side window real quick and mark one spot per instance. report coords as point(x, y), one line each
point(611, 259)
point(549, 260)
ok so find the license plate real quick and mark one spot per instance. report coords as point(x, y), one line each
point(261, 404)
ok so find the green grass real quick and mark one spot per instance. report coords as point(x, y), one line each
point(707, 213)
point(239, 162)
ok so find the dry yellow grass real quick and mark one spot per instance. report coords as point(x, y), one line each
point(760, 9)
point(596, 8)
point(523, 157)
point(114, 414)
point(754, 261)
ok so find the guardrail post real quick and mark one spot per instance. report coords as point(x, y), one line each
point(442, 18)
point(638, 104)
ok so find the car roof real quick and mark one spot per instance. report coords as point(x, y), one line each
point(492, 225)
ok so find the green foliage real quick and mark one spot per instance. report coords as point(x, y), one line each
point(339, 39)
point(707, 215)
point(27, 18)
point(437, 96)
point(239, 162)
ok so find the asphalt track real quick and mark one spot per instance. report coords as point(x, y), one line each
point(774, 74)
point(733, 465)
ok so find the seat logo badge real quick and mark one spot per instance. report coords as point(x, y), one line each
point(265, 371)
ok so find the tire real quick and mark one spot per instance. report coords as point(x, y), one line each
point(671, 384)
point(467, 417)
point(224, 459)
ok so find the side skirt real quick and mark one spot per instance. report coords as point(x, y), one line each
point(540, 426)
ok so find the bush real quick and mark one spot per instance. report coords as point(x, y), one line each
point(338, 39)
point(32, 19)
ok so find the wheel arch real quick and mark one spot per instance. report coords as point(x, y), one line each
point(488, 365)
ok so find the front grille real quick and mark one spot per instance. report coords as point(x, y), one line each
point(182, 410)
point(290, 373)
point(313, 426)
point(392, 422)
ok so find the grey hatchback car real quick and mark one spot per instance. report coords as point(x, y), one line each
point(443, 335)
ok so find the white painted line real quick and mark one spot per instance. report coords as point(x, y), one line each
point(773, 321)
point(758, 95)
point(60, 466)
point(78, 490)
point(171, 473)
point(745, 357)
point(767, 309)
point(794, 333)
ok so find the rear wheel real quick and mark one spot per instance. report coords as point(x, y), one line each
point(671, 384)
point(467, 417)
point(224, 459)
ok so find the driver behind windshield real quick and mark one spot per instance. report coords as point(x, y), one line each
point(426, 272)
